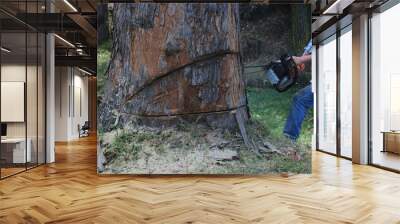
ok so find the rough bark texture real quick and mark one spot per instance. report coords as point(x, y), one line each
point(174, 60)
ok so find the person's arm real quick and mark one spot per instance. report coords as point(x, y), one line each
point(306, 57)
point(302, 59)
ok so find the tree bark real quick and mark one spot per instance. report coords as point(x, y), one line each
point(174, 61)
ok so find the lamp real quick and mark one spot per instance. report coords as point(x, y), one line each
point(84, 71)
point(5, 50)
point(64, 40)
point(70, 5)
point(337, 7)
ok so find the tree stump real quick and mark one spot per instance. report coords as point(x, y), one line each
point(172, 62)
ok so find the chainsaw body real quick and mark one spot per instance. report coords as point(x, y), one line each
point(282, 74)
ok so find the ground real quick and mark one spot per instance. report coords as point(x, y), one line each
point(195, 148)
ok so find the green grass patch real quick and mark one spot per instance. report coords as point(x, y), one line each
point(124, 146)
point(270, 108)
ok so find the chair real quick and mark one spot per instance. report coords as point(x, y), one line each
point(84, 130)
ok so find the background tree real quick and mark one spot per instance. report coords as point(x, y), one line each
point(102, 14)
point(300, 27)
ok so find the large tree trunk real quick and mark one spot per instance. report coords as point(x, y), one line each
point(174, 61)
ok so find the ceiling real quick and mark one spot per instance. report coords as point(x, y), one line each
point(73, 21)
point(331, 15)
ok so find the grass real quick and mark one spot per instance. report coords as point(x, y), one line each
point(125, 145)
point(270, 108)
point(103, 59)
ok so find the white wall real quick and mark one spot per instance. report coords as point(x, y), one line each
point(80, 94)
point(71, 102)
point(61, 103)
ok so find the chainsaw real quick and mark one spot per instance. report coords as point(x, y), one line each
point(282, 74)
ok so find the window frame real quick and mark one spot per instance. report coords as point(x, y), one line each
point(339, 32)
point(381, 9)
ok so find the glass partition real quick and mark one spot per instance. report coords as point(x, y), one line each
point(14, 153)
point(22, 77)
point(31, 100)
point(326, 95)
point(385, 89)
point(346, 92)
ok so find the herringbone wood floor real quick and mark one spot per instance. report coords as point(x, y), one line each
point(70, 191)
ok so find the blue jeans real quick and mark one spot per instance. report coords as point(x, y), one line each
point(302, 102)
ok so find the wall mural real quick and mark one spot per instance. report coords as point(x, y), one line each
point(189, 88)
